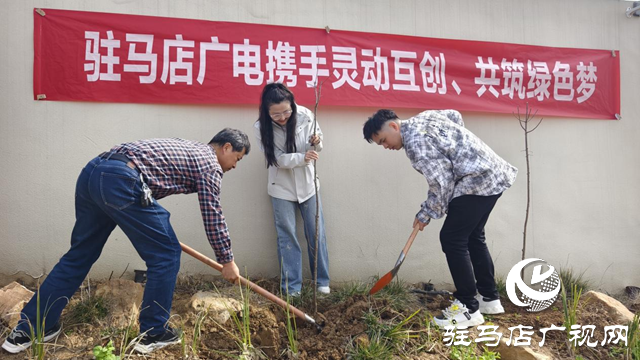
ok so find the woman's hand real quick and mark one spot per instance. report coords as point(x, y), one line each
point(314, 140)
point(310, 156)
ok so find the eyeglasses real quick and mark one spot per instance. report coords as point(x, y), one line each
point(282, 115)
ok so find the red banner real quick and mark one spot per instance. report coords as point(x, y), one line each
point(88, 56)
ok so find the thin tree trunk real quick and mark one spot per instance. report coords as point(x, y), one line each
point(524, 124)
point(318, 91)
point(526, 218)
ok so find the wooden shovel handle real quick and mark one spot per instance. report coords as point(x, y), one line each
point(411, 238)
point(266, 294)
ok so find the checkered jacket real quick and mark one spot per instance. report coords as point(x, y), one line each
point(454, 161)
point(177, 166)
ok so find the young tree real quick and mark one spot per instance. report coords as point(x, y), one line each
point(524, 124)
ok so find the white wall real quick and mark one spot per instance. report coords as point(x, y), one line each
point(585, 211)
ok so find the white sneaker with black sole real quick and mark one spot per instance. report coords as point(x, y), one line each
point(459, 316)
point(149, 343)
point(19, 340)
point(488, 306)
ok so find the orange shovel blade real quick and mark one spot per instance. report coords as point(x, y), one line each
point(384, 281)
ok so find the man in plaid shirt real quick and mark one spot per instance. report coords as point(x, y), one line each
point(121, 188)
point(465, 178)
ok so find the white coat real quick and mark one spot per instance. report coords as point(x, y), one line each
point(292, 179)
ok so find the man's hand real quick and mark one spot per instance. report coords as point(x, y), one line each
point(310, 156)
point(420, 224)
point(230, 272)
point(314, 140)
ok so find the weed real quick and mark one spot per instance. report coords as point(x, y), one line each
point(462, 353)
point(197, 332)
point(105, 352)
point(291, 329)
point(397, 293)
point(372, 350)
point(569, 310)
point(384, 338)
point(243, 331)
point(37, 334)
point(183, 340)
point(430, 340)
point(572, 280)
point(489, 355)
point(129, 336)
point(501, 286)
point(633, 348)
point(87, 311)
point(617, 351)
point(38, 349)
point(349, 290)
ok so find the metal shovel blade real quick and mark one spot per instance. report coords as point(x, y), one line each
point(386, 279)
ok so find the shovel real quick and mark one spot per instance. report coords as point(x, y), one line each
point(386, 279)
point(254, 287)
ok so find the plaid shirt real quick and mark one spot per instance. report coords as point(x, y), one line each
point(454, 161)
point(177, 166)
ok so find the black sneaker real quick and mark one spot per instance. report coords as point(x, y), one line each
point(19, 340)
point(149, 343)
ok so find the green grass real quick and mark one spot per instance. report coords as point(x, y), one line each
point(87, 311)
point(489, 355)
point(242, 331)
point(397, 293)
point(633, 348)
point(463, 352)
point(38, 349)
point(569, 311)
point(573, 280)
point(291, 329)
point(349, 290)
point(197, 332)
point(384, 338)
point(372, 350)
point(501, 285)
point(431, 335)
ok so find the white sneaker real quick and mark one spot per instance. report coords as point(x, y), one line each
point(489, 307)
point(324, 290)
point(149, 343)
point(459, 316)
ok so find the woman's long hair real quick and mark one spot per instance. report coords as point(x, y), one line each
point(275, 94)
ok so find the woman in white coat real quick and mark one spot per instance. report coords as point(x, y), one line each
point(286, 136)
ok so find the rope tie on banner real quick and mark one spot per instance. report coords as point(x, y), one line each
point(40, 12)
point(41, 97)
point(613, 53)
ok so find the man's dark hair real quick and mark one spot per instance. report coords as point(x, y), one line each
point(238, 140)
point(375, 123)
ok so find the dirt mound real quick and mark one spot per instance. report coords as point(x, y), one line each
point(345, 319)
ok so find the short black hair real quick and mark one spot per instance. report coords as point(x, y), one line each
point(237, 138)
point(375, 123)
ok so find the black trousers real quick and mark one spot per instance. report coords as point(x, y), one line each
point(463, 242)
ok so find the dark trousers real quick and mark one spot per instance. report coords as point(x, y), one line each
point(463, 242)
point(108, 193)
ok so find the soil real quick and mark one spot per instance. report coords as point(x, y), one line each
point(343, 322)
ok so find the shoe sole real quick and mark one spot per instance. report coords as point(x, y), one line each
point(489, 310)
point(492, 310)
point(14, 349)
point(145, 349)
point(465, 324)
